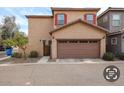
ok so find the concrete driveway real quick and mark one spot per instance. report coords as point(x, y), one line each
point(55, 73)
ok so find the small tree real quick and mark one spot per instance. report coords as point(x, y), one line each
point(0, 37)
point(8, 27)
point(8, 43)
point(21, 42)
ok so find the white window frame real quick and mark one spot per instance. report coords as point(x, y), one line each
point(113, 20)
point(116, 41)
point(61, 19)
point(90, 21)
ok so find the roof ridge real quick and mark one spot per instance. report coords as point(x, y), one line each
point(75, 21)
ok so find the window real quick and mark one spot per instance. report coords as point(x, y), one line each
point(63, 41)
point(73, 41)
point(60, 19)
point(114, 41)
point(115, 20)
point(82, 41)
point(90, 18)
point(93, 41)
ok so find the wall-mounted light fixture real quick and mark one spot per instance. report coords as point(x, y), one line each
point(40, 40)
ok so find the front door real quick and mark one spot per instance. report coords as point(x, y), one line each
point(46, 47)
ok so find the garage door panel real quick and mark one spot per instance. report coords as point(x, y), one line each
point(78, 53)
point(78, 50)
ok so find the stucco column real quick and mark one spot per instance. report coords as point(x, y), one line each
point(102, 47)
point(54, 49)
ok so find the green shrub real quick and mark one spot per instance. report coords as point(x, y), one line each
point(33, 54)
point(17, 55)
point(108, 56)
point(121, 56)
point(8, 43)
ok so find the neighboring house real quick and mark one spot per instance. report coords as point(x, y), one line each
point(113, 20)
point(67, 33)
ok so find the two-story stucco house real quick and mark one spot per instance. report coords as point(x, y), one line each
point(113, 20)
point(67, 33)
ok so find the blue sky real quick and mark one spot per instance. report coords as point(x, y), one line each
point(27, 7)
point(20, 13)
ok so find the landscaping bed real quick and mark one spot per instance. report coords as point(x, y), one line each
point(20, 60)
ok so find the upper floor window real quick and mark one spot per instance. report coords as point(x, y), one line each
point(60, 19)
point(90, 18)
point(115, 20)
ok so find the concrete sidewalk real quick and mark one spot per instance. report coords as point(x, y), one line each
point(44, 59)
point(4, 58)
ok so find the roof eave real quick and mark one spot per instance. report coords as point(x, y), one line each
point(73, 9)
point(115, 33)
point(110, 9)
point(38, 16)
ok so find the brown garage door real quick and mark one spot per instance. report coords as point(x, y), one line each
point(78, 48)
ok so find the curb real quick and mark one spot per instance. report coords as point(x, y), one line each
point(63, 63)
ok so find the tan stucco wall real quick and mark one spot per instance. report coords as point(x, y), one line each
point(74, 15)
point(38, 30)
point(54, 49)
point(80, 31)
point(102, 47)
